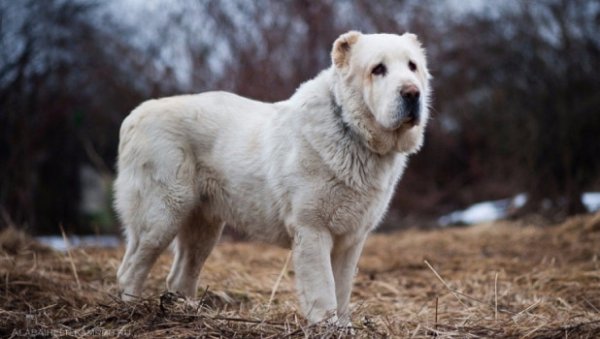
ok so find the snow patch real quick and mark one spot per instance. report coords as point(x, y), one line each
point(591, 200)
point(498, 209)
point(58, 243)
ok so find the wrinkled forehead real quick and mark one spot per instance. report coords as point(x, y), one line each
point(386, 48)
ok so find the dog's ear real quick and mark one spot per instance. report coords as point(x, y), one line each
point(413, 38)
point(342, 46)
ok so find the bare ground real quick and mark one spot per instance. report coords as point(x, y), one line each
point(505, 279)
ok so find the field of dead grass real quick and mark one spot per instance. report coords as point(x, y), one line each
point(504, 279)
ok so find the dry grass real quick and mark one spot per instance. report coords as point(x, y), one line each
point(495, 280)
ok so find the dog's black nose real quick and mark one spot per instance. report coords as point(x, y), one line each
point(410, 93)
point(410, 104)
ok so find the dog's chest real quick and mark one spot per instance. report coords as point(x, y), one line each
point(359, 208)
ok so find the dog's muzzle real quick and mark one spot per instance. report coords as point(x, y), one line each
point(408, 112)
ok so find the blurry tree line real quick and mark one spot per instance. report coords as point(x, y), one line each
point(515, 104)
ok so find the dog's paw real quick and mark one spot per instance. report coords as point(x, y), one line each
point(126, 297)
point(170, 300)
point(341, 326)
point(333, 320)
point(346, 329)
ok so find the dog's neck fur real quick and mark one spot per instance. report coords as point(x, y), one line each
point(359, 117)
point(339, 135)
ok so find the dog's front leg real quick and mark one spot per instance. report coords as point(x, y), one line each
point(314, 276)
point(345, 256)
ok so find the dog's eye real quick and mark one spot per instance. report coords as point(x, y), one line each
point(412, 66)
point(380, 69)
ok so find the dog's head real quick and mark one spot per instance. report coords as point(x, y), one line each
point(382, 83)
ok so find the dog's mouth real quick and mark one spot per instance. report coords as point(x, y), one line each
point(411, 122)
point(406, 117)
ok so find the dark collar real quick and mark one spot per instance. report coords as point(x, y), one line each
point(337, 112)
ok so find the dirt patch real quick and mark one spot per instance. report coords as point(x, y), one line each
point(492, 280)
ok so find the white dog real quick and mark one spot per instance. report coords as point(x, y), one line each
point(314, 173)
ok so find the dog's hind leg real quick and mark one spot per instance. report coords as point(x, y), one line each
point(155, 193)
point(145, 244)
point(195, 240)
point(152, 213)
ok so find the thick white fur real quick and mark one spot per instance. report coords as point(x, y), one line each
point(315, 172)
